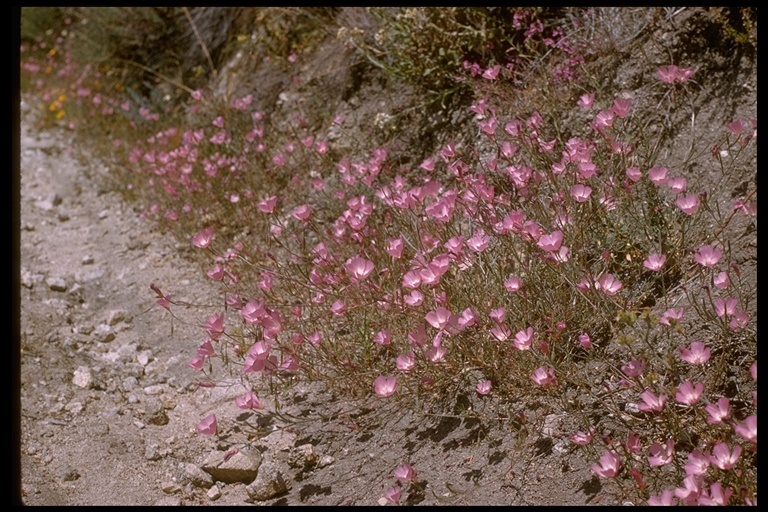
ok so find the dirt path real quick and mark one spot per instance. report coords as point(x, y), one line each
point(107, 402)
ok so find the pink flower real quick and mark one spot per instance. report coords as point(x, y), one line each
point(197, 362)
point(483, 387)
point(633, 444)
point(655, 261)
point(583, 438)
point(633, 368)
point(739, 321)
point(580, 193)
point(268, 204)
point(661, 455)
point(479, 242)
point(690, 491)
point(719, 411)
point(395, 247)
point(665, 499)
point(688, 204)
point(438, 318)
point(708, 256)
point(467, 318)
point(406, 362)
point(651, 402)
point(501, 332)
point(688, 393)
point(716, 495)
point(658, 175)
point(206, 349)
point(383, 337)
point(586, 100)
point(551, 242)
point(385, 385)
point(753, 371)
point(698, 353)
point(498, 315)
point(748, 429)
point(723, 457)
point(358, 268)
point(544, 376)
point(677, 184)
point(621, 106)
point(523, 339)
point(608, 284)
point(339, 308)
point(675, 315)
point(393, 494)
point(698, 463)
point(725, 307)
point(721, 280)
point(492, 73)
point(405, 473)
point(634, 173)
point(203, 239)
point(671, 74)
point(249, 401)
point(414, 299)
point(513, 284)
point(610, 464)
point(604, 119)
point(302, 212)
point(208, 426)
point(585, 341)
point(215, 326)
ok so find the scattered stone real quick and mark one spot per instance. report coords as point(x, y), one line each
point(144, 357)
point(303, 457)
point(48, 202)
point(28, 279)
point(270, 482)
point(63, 217)
point(382, 501)
point(69, 475)
point(213, 493)
point(87, 260)
point(233, 466)
point(130, 383)
point(170, 487)
point(74, 407)
point(154, 412)
point(83, 378)
point(169, 501)
point(92, 275)
point(190, 474)
point(139, 424)
point(56, 284)
point(103, 333)
point(326, 460)
point(116, 316)
point(156, 389)
point(85, 329)
point(103, 214)
point(279, 440)
point(152, 452)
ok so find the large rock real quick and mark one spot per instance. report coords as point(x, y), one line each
point(270, 482)
point(233, 466)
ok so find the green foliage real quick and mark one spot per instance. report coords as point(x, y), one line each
point(36, 21)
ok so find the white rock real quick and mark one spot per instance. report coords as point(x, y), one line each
point(83, 377)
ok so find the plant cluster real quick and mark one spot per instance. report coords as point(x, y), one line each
point(578, 265)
